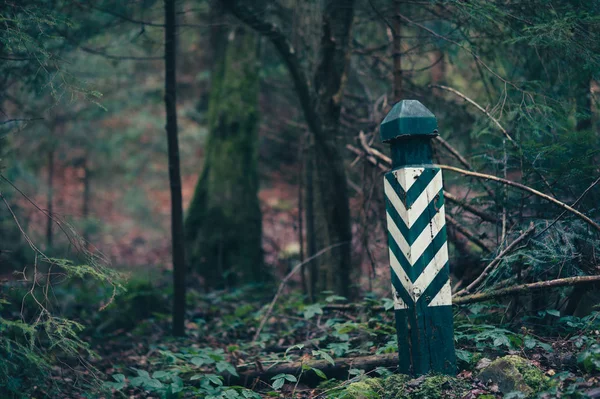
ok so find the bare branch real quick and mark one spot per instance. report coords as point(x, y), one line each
point(497, 261)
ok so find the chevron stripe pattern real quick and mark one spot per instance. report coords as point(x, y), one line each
point(417, 237)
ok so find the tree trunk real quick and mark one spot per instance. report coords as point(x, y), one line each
point(321, 104)
point(177, 233)
point(87, 198)
point(224, 221)
point(331, 192)
point(50, 199)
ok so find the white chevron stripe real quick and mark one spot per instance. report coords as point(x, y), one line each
point(398, 237)
point(392, 196)
point(398, 302)
point(443, 297)
point(427, 235)
point(414, 252)
point(408, 177)
point(409, 216)
point(416, 289)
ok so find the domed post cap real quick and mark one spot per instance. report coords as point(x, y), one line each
point(408, 118)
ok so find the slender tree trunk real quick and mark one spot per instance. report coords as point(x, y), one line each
point(86, 200)
point(331, 191)
point(177, 234)
point(50, 198)
point(311, 237)
point(397, 51)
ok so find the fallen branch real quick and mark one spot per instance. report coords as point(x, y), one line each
point(524, 188)
point(284, 282)
point(525, 288)
point(338, 370)
point(496, 261)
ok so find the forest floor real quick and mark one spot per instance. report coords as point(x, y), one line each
point(311, 351)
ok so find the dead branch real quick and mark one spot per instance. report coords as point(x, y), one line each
point(284, 282)
point(524, 188)
point(462, 160)
point(497, 261)
point(470, 208)
point(470, 236)
point(497, 123)
point(525, 288)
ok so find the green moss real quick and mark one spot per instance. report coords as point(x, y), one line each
point(370, 388)
point(395, 386)
point(401, 386)
point(513, 373)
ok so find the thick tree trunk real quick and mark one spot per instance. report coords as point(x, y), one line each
point(224, 221)
point(177, 232)
point(321, 104)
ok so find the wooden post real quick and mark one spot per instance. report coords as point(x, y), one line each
point(418, 245)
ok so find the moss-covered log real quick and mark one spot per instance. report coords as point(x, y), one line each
point(224, 223)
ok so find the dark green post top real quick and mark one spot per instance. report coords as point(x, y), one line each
point(409, 128)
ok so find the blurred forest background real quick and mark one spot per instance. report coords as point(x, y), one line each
point(254, 228)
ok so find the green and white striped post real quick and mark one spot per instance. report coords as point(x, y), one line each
point(418, 245)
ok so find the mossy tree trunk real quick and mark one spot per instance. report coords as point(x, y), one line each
point(320, 99)
point(224, 222)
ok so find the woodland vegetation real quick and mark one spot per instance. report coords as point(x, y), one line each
point(192, 196)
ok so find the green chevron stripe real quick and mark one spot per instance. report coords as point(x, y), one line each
point(400, 289)
point(413, 272)
point(408, 198)
point(410, 235)
point(437, 284)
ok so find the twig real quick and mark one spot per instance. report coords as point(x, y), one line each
point(479, 107)
point(462, 160)
point(284, 282)
point(573, 204)
point(470, 208)
point(497, 123)
point(525, 188)
point(561, 282)
point(383, 162)
point(496, 261)
point(470, 236)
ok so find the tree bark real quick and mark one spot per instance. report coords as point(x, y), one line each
point(321, 104)
point(50, 198)
point(177, 233)
point(224, 220)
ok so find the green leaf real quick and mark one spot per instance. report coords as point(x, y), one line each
point(278, 383)
point(298, 346)
point(160, 374)
point(311, 310)
point(529, 342)
point(553, 312)
point(320, 373)
point(325, 356)
point(388, 303)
